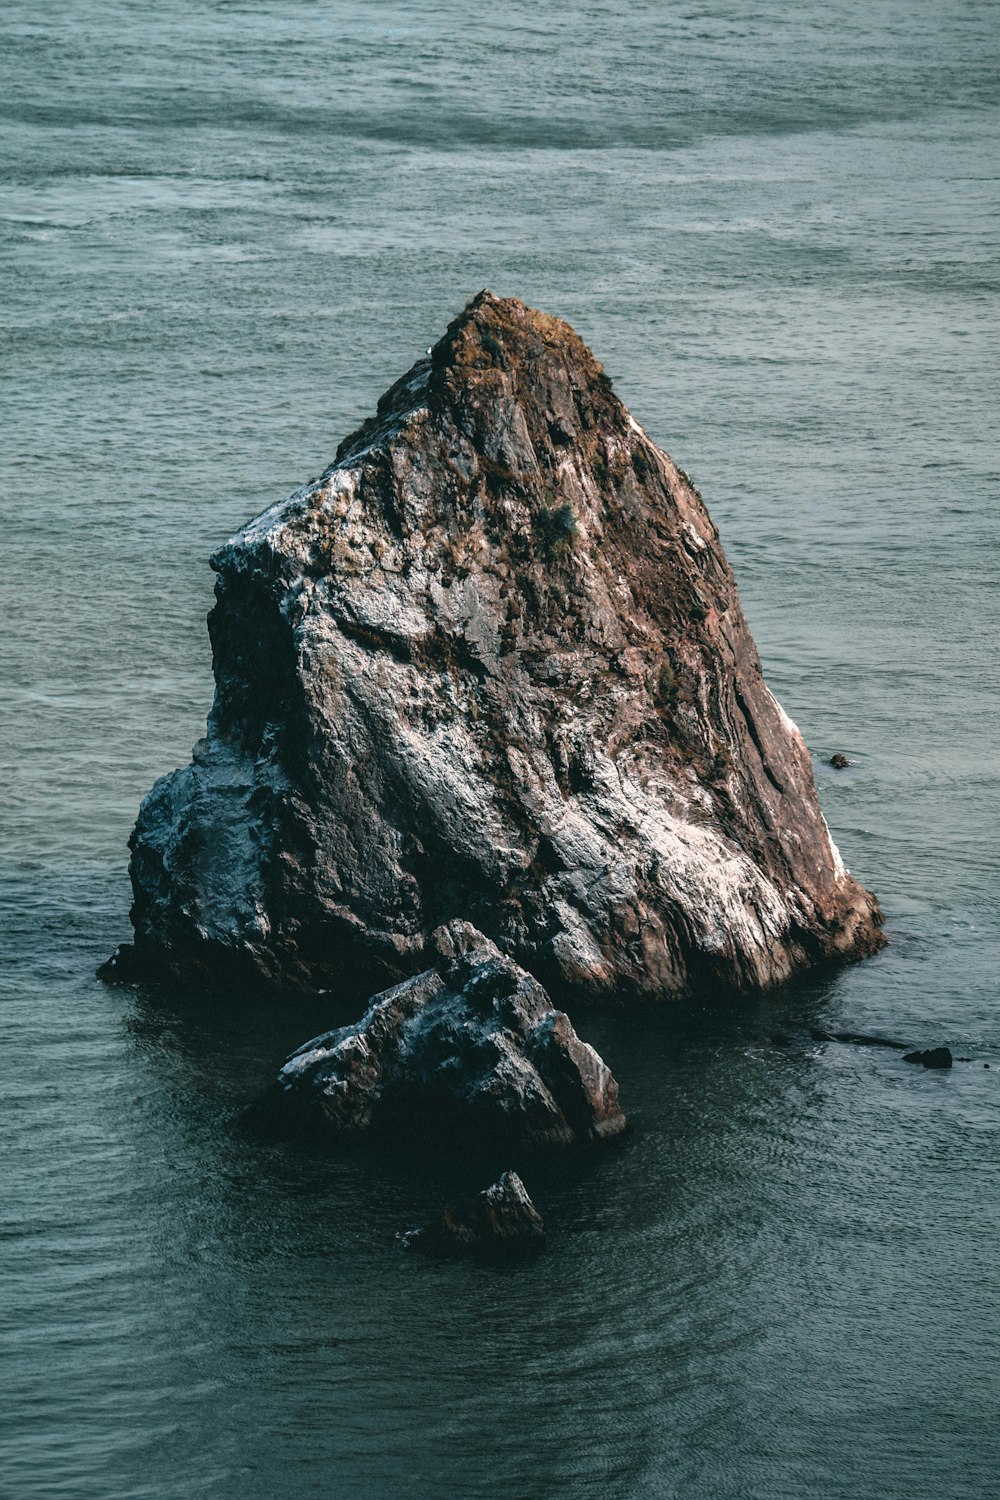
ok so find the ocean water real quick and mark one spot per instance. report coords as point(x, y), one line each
point(224, 229)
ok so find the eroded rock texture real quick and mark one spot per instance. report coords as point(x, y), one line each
point(470, 1049)
point(490, 665)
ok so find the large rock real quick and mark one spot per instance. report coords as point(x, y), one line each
point(472, 1048)
point(490, 664)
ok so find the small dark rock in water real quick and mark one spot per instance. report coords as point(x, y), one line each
point(933, 1057)
point(504, 1225)
point(839, 761)
point(471, 1047)
point(856, 1039)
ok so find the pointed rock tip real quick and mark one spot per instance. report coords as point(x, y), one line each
point(491, 334)
point(492, 330)
point(456, 938)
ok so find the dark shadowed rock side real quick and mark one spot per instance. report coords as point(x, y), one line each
point(503, 1224)
point(491, 665)
point(470, 1049)
point(931, 1057)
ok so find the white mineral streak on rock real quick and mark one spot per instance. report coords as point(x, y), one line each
point(790, 725)
point(491, 664)
point(794, 732)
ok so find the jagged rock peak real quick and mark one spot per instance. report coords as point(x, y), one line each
point(494, 342)
point(492, 664)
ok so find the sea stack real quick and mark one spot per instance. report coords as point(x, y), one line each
point(490, 666)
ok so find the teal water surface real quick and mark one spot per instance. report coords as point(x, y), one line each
point(225, 228)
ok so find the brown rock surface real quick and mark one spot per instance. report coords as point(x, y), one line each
point(492, 664)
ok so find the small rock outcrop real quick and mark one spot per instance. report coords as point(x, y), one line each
point(470, 1049)
point(931, 1057)
point(503, 1224)
point(491, 664)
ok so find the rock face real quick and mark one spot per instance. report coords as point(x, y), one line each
point(491, 664)
point(471, 1047)
point(504, 1225)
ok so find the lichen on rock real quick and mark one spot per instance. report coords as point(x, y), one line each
point(490, 665)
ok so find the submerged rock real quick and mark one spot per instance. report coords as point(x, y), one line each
point(856, 1039)
point(472, 1048)
point(504, 1225)
point(932, 1057)
point(490, 664)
